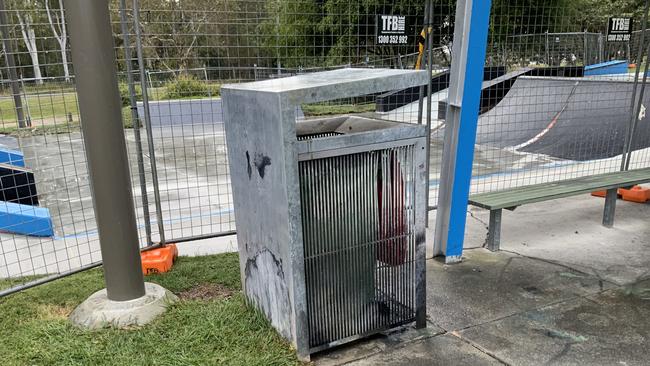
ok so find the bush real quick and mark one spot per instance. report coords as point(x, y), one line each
point(124, 93)
point(185, 86)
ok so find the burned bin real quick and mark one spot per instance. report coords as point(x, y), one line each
point(330, 212)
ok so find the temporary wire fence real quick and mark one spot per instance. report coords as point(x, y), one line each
point(562, 111)
point(542, 117)
point(48, 223)
point(178, 55)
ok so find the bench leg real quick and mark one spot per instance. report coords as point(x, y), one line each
point(494, 230)
point(610, 207)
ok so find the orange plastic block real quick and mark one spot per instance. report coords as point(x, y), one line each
point(604, 193)
point(159, 260)
point(635, 194)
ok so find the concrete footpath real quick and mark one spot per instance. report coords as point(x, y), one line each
point(564, 290)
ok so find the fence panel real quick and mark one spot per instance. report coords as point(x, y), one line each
point(541, 120)
point(554, 122)
point(189, 49)
point(47, 220)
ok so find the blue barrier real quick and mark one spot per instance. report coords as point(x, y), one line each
point(12, 157)
point(607, 68)
point(25, 219)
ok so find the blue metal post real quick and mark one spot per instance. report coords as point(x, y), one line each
point(470, 44)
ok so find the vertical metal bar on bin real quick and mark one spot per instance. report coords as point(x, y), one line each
point(147, 119)
point(11, 66)
point(93, 57)
point(470, 44)
point(136, 120)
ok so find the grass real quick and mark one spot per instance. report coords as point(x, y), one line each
point(312, 110)
point(41, 130)
point(34, 329)
point(59, 113)
point(41, 107)
point(6, 283)
point(50, 86)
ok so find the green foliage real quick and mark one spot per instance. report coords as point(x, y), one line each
point(186, 86)
point(35, 330)
point(181, 35)
point(353, 23)
point(125, 95)
point(291, 33)
point(592, 15)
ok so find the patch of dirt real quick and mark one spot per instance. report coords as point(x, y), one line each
point(50, 312)
point(208, 291)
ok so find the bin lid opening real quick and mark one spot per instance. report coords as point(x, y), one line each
point(340, 125)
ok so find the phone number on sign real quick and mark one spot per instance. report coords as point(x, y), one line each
point(392, 39)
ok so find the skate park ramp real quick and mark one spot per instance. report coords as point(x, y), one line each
point(440, 81)
point(569, 118)
point(493, 91)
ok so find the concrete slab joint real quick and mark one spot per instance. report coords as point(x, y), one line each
point(99, 312)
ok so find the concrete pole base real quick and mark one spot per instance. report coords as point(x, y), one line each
point(99, 312)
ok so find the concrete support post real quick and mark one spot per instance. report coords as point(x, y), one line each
point(127, 300)
point(93, 56)
point(470, 35)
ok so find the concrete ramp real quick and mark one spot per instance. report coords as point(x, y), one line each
point(528, 109)
point(569, 118)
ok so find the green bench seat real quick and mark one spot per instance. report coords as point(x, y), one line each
point(514, 197)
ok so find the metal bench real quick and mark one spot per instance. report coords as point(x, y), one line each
point(510, 199)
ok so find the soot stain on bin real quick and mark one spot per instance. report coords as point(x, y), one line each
point(266, 287)
point(252, 263)
point(261, 161)
point(248, 167)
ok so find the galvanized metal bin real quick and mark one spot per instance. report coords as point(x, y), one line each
point(330, 212)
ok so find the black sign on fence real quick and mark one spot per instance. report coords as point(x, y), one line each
point(619, 29)
point(391, 29)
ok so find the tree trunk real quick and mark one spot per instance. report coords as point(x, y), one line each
point(61, 36)
point(33, 54)
point(29, 37)
point(66, 69)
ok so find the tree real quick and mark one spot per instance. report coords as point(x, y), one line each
point(56, 19)
point(289, 33)
point(592, 15)
point(173, 30)
point(352, 26)
point(26, 23)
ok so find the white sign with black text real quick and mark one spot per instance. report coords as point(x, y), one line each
point(619, 29)
point(391, 29)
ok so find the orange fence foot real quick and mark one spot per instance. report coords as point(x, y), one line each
point(635, 194)
point(599, 194)
point(159, 260)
